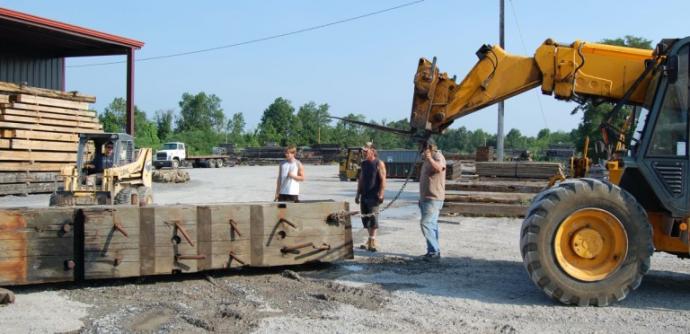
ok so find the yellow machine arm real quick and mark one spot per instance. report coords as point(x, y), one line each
point(577, 71)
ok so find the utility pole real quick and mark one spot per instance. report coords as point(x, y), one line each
point(499, 132)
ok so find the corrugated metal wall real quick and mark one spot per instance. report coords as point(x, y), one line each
point(36, 72)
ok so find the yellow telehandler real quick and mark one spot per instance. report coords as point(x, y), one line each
point(587, 241)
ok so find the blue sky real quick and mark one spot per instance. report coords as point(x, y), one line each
point(365, 66)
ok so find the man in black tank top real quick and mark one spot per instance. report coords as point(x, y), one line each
point(370, 188)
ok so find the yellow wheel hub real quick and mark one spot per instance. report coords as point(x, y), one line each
point(590, 244)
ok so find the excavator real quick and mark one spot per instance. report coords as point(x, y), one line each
point(585, 241)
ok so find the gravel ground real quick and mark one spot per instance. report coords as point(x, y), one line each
point(479, 286)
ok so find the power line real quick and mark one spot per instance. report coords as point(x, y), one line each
point(524, 47)
point(262, 39)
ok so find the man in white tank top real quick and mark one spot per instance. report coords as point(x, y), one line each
point(290, 174)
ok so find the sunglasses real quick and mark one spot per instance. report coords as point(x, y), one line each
point(109, 147)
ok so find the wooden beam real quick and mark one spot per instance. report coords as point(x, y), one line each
point(7, 155)
point(73, 96)
point(28, 177)
point(34, 107)
point(39, 145)
point(32, 167)
point(484, 209)
point(26, 134)
point(48, 128)
point(495, 187)
point(39, 114)
point(53, 102)
point(48, 121)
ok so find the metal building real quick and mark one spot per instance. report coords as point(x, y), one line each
point(33, 51)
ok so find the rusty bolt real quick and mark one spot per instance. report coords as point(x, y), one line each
point(117, 261)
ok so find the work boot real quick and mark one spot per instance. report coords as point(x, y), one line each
point(373, 245)
point(366, 245)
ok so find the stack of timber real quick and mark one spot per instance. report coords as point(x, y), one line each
point(519, 169)
point(75, 244)
point(490, 197)
point(39, 131)
point(484, 153)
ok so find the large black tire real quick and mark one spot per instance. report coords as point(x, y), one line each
point(145, 196)
point(546, 214)
point(126, 196)
point(219, 163)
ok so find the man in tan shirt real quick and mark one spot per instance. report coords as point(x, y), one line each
point(432, 192)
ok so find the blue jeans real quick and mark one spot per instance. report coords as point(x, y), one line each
point(429, 223)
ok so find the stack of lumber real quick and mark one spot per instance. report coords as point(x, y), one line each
point(39, 131)
point(519, 169)
point(490, 197)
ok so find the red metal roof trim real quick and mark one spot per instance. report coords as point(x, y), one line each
point(40, 21)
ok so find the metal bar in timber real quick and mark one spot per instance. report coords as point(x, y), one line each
point(233, 225)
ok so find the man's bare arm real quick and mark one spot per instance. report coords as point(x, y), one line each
point(382, 175)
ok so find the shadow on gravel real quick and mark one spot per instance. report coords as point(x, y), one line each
point(492, 281)
point(661, 290)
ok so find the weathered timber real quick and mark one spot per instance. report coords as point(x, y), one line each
point(290, 224)
point(519, 169)
point(27, 188)
point(29, 166)
point(40, 145)
point(47, 128)
point(486, 197)
point(495, 187)
point(55, 110)
point(28, 177)
point(111, 242)
point(39, 135)
point(223, 230)
point(39, 114)
point(4, 98)
point(166, 232)
point(128, 241)
point(49, 121)
point(9, 87)
point(41, 241)
point(54, 102)
point(8, 155)
point(485, 209)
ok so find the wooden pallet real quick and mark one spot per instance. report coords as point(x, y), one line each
point(74, 244)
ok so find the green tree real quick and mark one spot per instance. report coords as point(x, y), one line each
point(200, 112)
point(164, 122)
point(277, 123)
point(235, 129)
point(313, 123)
point(113, 117)
point(113, 120)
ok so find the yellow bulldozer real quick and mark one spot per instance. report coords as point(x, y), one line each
point(108, 171)
point(349, 165)
point(588, 241)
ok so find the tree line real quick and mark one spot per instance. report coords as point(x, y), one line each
point(202, 124)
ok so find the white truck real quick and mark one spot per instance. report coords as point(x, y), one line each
point(174, 155)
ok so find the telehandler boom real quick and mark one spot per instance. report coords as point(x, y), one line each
point(587, 241)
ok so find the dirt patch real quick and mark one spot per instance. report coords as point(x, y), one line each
point(218, 303)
